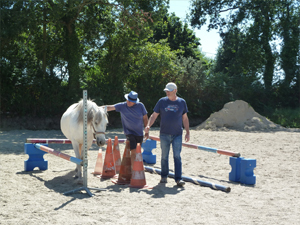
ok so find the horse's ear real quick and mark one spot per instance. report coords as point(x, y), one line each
point(104, 107)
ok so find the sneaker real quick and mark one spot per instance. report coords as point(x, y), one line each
point(163, 180)
point(180, 183)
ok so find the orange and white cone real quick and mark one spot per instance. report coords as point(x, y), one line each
point(138, 179)
point(125, 169)
point(117, 156)
point(109, 170)
point(99, 164)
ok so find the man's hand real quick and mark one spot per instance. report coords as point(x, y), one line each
point(146, 130)
point(187, 137)
point(146, 136)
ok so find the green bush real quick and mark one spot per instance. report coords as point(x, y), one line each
point(289, 118)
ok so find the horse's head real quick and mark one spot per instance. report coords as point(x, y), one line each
point(99, 123)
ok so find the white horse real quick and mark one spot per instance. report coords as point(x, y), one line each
point(71, 125)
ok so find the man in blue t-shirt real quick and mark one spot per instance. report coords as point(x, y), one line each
point(173, 113)
point(134, 118)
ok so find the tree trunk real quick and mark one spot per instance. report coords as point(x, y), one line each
point(290, 48)
point(44, 41)
point(73, 59)
point(72, 52)
point(269, 57)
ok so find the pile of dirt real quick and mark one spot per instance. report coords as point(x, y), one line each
point(238, 115)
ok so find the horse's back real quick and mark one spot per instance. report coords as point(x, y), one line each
point(69, 124)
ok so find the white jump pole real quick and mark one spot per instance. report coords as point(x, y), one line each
point(85, 159)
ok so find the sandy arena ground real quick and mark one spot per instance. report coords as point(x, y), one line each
point(36, 197)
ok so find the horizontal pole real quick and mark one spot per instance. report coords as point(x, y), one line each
point(48, 141)
point(208, 149)
point(59, 154)
point(67, 141)
point(192, 180)
point(60, 141)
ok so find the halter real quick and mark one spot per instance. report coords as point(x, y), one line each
point(95, 132)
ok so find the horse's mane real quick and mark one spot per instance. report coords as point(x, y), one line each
point(91, 111)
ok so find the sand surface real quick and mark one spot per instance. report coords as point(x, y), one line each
point(36, 197)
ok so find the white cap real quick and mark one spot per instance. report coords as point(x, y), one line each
point(170, 87)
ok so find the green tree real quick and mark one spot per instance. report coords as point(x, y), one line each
point(178, 35)
point(289, 28)
point(259, 23)
point(150, 69)
point(256, 15)
point(242, 68)
point(43, 41)
point(191, 83)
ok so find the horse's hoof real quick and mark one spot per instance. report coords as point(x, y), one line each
point(79, 181)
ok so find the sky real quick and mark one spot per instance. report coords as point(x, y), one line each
point(209, 40)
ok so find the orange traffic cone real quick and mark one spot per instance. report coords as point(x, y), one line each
point(117, 156)
point(138, 179)
point(99, 164)
point(109, 169)
point(125, 169)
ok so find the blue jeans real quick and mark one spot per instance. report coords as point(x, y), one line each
point(165, 143)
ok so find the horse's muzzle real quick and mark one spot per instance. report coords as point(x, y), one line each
point(101, 143)
point(100, 140)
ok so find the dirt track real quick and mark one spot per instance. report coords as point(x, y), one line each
point(36, 197)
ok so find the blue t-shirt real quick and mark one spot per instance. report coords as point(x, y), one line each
point(171, 115)
point(132, 117)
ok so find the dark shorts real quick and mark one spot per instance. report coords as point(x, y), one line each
point(134, 140)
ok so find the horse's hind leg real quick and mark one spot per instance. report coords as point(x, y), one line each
point(80, 147)
point(80, 156)
point(78, 167)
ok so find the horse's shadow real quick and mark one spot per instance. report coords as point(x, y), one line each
point(60, 184)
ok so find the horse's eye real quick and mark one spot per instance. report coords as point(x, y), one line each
point(96, 123)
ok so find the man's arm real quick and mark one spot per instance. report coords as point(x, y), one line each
point(186, 124)
point(110, 108)
point(145, 119)
point(151, 120)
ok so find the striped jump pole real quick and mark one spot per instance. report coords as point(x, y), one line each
point(192, 180)
point(59, 141)
point(59, 154)
point(48, 141)
point(214, 150)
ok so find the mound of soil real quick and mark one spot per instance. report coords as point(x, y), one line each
point(238, 115)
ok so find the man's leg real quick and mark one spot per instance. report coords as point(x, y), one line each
point(165, 149)
point(132, 155)
point(177, 146)
point(133, 143)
